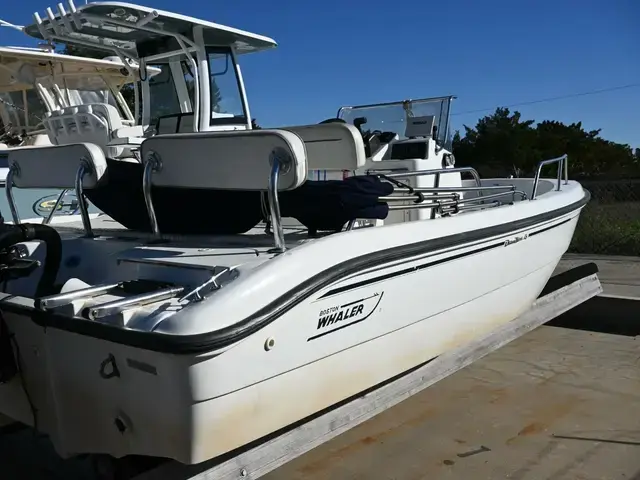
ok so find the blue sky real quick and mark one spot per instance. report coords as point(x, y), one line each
point(488, 53)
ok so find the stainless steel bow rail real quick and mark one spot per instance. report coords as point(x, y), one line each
point(562, 293)
point(563, 165)
point(447, 200)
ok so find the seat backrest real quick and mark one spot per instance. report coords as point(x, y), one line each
point(56, 166)
point(332, 146)
point(92, 122)
point(237, 160)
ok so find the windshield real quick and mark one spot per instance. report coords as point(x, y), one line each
point(75, 90)
point(391, 117)
point(163, 98)
point(226, 99)
point(172, 91)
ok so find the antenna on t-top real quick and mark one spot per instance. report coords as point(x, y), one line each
point(10, 25)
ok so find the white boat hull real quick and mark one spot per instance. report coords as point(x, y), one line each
point(192, 407)
point(191, 348)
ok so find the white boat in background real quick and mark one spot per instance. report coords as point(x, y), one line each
point(35, 85)
point(143, 332)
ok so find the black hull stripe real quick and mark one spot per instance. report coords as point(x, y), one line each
point(405, 271)
point(204, 342)
point(416, 268)
point(546, 229)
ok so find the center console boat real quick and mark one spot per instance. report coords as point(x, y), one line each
point(230, 290)
point(38, 85)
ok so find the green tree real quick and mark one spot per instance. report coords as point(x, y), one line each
point(500, 144)
point(216, 96)
point(503, 144)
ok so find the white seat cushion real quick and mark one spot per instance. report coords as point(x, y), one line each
point(237, 160)
point(56, 166)
point(332, 146)
point(92, 122)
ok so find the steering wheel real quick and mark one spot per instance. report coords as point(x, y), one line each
point(333, 120)
point(365, 139)
point(371, 139)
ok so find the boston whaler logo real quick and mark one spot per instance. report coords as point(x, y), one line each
point(337, 317)
point(511, 241)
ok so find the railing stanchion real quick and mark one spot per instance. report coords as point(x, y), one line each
point(562, 165)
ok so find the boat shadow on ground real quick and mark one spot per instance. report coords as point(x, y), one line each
point(603, 315)
point(599, 314)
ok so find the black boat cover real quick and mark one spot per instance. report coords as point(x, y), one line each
point(319, 205)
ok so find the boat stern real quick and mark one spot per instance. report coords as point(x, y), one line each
point(23, 394)
point(91, 395)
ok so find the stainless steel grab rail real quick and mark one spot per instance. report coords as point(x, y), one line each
point(446, 199)
point(456, 189)
point(562, 162)
point(58, 299)
point(114, 307)
point(513, 193)
point(438, 171)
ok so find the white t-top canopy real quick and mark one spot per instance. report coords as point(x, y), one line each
point(20, 67)
point(139, 31)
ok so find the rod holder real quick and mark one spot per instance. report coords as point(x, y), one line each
point(65, 18)
point(41, 29)
point(147, 18)
point(53, 21)
point(74, 15)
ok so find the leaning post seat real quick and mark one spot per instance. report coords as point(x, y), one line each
point(212, 210)
point(95, 123)
point(75, 166)
point(332, 146)
point(328, 205)
point(254, 160)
